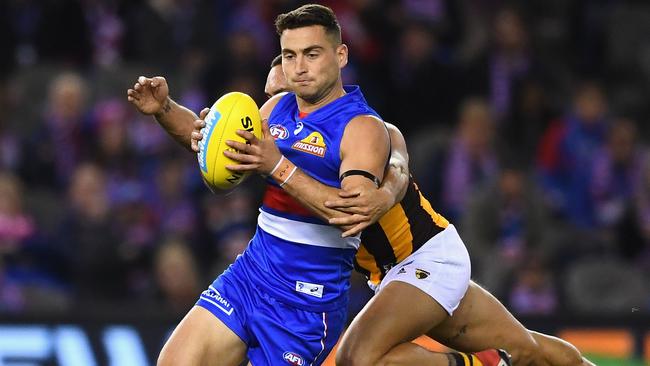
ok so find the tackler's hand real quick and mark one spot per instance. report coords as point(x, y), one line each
point(197, 133)
point(149, 95)
point(364, 206)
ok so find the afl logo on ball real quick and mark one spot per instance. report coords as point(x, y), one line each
point(279, 132)
point(293, 358)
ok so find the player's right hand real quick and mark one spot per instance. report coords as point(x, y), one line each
point(364, 206)
point(199, 124)
point(149, 95)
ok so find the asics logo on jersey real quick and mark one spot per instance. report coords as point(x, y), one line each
point(299, 127)
point(311, 289)
point(313, 144)
point(421, 274)
point(293, 358)
point(279, 132)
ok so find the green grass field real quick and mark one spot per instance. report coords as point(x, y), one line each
point(608, 361)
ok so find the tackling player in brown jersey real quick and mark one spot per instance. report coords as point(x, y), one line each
point(400, 311)
point(397, 220)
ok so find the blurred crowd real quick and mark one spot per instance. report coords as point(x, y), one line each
point(525, 121)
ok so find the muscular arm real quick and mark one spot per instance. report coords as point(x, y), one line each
point(365, 207)
point(262, 155)
point(396, 178)
point(178, 121)
point(369, 156)
point(151, 97)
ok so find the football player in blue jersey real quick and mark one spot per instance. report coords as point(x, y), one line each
point(526, 348)
point(284, 300)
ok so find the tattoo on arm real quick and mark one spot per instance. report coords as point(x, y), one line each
point(166, 107)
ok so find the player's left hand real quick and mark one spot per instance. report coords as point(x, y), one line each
point(257, 155)
point(364, 206)
point(196, 134)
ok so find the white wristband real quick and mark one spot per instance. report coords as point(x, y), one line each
point(289, 176)
point(277, 165)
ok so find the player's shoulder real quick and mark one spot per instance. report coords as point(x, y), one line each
point(367, 119)
point(270, 104)
point(366, 122)
point(365, 126)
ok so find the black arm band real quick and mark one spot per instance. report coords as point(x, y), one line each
point(362, 173)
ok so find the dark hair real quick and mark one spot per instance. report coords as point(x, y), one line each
point(276, 61)
point(308, 15)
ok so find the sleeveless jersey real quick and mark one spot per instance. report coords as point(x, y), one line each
point(401, 231)
point(294, 256)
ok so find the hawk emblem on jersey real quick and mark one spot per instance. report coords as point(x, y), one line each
point(313, 144)
point(421, 274)
point(279, 132)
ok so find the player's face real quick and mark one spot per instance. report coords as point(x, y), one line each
point(275, 82)
point(311, 61)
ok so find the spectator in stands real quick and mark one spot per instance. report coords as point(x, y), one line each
point(505, 223)
point(502, 69)
point(10, 144)
point(170, 199)
point(533, 291)
point(90, 244)
point(26, 282)
point(530, 115)
point(16, 225)
point(617, 176)
point(59, 144)
point(176, 275)
point(566, 154)
point(468, 161)
point(417, 99)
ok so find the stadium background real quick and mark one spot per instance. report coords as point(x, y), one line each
point(527, 125)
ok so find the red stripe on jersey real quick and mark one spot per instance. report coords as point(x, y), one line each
point(302, 114)
point(277, 199)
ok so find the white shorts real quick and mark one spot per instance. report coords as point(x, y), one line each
point(441, 268)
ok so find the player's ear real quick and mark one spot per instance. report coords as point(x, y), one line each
point(342, 55)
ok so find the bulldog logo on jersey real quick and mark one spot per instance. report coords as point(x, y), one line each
point(279, 132)
point(313, 144)
point(421, 274)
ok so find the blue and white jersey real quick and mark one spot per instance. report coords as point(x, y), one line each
point(295, 256)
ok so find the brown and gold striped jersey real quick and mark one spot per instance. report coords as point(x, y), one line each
point(400, 232)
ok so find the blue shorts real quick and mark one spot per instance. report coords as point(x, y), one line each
point(274, 332)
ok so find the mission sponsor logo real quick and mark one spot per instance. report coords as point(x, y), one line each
point(313, 144)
